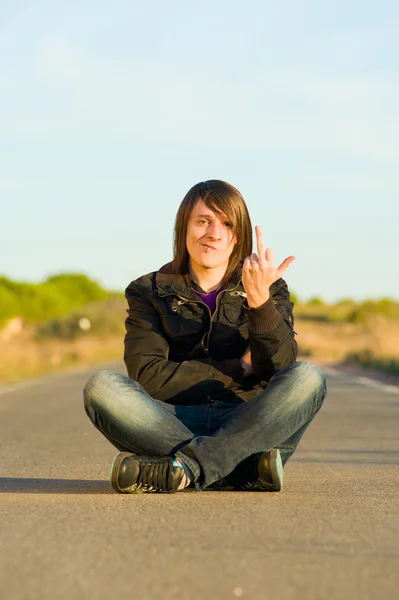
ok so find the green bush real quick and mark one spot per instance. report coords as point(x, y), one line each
point(9, 306)
point(53, 298)
point(347, 310)
point(315, 301)
point(370, 309)
point(345, 303)
point(102, 319)
point(77, 288)
point(366, 359)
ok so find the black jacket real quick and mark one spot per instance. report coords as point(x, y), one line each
point(182, 355)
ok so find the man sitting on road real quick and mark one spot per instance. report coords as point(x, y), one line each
point(214, 395)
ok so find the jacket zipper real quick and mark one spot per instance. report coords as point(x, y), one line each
point(232, 292)
point(199, 301)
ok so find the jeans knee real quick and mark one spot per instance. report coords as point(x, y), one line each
point(312, 378)
point(310, 371)
point(94, 387)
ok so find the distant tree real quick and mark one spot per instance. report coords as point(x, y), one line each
point(53, 298)
point(294, 298)
point(77, 287)
point(8, 304)
point(345, 302)
point(369, 309)
point(315, 301)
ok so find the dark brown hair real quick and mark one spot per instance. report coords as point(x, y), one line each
point(226, 202)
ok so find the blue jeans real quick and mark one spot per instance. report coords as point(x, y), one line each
point(214, 437)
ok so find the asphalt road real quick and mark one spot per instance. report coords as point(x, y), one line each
point(332, 533)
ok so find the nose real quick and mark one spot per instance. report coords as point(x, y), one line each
point(214, 230)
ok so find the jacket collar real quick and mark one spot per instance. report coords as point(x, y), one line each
point(168, 282)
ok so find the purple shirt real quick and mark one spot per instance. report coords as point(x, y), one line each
point(209, 299)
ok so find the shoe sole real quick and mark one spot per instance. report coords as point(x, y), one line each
point(115, 471)
point(275, 467)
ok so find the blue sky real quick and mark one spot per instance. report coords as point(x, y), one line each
point(110, 112)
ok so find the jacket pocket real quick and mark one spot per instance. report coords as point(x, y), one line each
point(177, 326)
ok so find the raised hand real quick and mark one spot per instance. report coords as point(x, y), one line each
point(259, 272)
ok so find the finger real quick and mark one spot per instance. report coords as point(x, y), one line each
point(246, 264)
point(260, 245)
point(270, 257)
point(285, 264)
point(254, 260)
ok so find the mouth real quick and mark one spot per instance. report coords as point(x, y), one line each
point(207, 247)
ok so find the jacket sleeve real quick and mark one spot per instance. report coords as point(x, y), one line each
point(271, 333)
point(147, 359)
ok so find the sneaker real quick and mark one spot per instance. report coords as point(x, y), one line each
point(133, 473)
point(263, 474)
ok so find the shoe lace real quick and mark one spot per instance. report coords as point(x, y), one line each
point(153, 474)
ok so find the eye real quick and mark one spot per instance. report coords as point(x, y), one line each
point(228, 224)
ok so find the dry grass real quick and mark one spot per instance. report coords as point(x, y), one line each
point(374, 345)
point(25, 358)
point(330, 341)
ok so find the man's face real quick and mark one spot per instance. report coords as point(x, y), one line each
point(209, 239)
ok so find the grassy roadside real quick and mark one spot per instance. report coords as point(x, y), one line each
point(370, 347)
point(338, 344)
point(344, 335)
point(31, 360)
point(61, 343)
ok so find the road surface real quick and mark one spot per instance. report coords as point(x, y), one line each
point(332, 533)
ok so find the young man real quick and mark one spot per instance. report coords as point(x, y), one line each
point(214, 396)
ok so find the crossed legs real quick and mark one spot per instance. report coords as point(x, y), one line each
point(277, 418)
